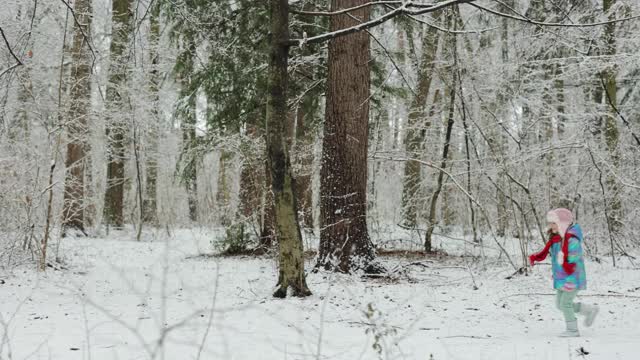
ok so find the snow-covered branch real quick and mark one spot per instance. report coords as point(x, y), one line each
point(551, 24)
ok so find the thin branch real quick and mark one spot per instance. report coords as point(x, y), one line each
point(343, 11)
point(81, 28)
point(18, 62)
point(390, 58)
point(606, 205)
point(542, 23)
point(403, 9)
point(615, 108)
point(9, 69)
point(449, 31)
point(435, 167)
point(346, 31)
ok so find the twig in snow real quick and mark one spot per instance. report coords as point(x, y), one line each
point(211, 312)
point(466, 336)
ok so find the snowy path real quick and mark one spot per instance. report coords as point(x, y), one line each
point(108, 305)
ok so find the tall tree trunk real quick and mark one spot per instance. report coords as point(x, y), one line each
point(611, 131)
point(190, 171)
point(443, 165)
point(500, 140)
point(345, 244)
point(188, 119)
point(150, 203)
point(77, 130)
point(416, 128)
point(291, 260)
point(451, 92)
point(115, 102)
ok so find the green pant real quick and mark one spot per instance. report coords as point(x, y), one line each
point(564, 302)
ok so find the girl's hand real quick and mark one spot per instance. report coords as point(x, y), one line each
point(569, 268)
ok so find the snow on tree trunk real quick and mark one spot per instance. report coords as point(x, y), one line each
point(77, 131)
point(611, 131)
point(116, 102)
point(416, 127)
point(451, 94)
point(345, 244)
point(291, 260)
point(150, 204)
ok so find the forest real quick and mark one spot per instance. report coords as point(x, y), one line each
point(308, 179)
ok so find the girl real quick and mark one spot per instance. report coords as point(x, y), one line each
point(567, 265)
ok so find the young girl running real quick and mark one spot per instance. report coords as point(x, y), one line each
point(567, 264)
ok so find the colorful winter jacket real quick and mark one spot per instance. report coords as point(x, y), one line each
point(567, 262)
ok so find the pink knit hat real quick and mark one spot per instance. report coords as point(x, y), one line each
point(562, 217)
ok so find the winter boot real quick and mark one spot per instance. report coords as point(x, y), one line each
point(590, 312)
point(572, 329)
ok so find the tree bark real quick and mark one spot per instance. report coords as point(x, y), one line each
point(190, 173)
point(291, 260)
point(268, 223)
point(77, 130)
point(116, 124)
point(443, 164)
point(150, 203)
point(445, 151)
point(301, 144)
point(345, 244)
point(223, 194)
point(187, 116)
point(416, 127)
point(611, 131)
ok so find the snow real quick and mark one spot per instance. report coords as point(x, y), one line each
point(116, 297)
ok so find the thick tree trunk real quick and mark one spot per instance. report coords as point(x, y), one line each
point(415, 128)
point(291, 260)
point(344, 239)
point(268, 222)
point(116, 124)
point(77, 130)
point(150, 204)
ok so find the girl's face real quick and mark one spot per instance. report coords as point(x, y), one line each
point(554, 228)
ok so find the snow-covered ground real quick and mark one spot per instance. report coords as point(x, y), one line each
point(118, 300)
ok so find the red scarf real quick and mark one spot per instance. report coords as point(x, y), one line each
point(540, 256)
